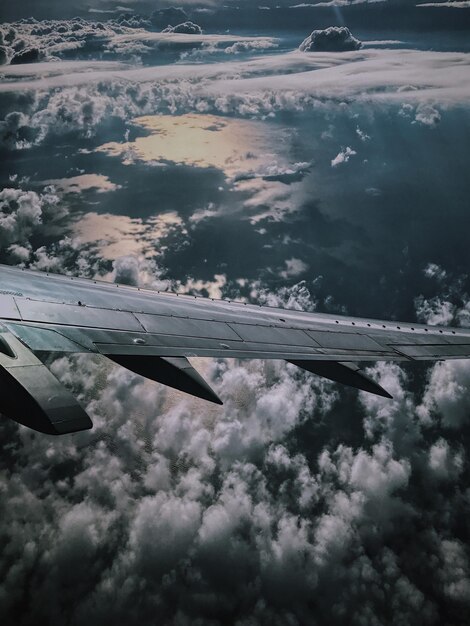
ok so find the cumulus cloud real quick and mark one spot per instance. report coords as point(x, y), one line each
point(29, 218)
point(446, 397)
point(445, 462)
point(427, 115)
point(186, 28)
point(29, 55)
point(432, 270)
point(126, 270)
point(435, 311)
point(332, 39)
point(455, 570)
point(128, 36)
point(24, 213)
point(28, 41)
point(174, 524)
point(294, 267)
point(296, 297)
point(343, 156)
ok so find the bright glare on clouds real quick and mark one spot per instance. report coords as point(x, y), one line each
point(232, 146)
point(77, 184)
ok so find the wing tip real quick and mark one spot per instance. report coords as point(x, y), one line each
point(383, 393)
point(217, 401)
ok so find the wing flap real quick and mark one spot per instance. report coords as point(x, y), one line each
point(348, 341)
point(435, 352)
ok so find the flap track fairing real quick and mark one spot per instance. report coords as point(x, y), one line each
point(348, 374)
point(175, 372)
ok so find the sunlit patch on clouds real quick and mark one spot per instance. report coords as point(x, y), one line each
point(83, 182)
point(237, 147)
point(116, 236)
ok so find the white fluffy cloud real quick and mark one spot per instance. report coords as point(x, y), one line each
point(454, 4)
point(24, 213)
point(343, 156)
point(185, 28)
point(294, 267)
point(332, 39)
point(446, 397)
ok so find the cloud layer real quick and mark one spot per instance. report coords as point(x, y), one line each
point(293, 82)
point(297, 502)
point(171, 510)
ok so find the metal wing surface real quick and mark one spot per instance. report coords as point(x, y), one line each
point(153, 334)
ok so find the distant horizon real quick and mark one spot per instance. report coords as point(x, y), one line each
point(376, 14)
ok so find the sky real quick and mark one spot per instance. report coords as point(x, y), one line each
point(248, 162)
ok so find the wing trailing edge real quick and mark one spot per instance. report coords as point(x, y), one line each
point(348, 374)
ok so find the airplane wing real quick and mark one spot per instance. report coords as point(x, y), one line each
point(153, 334)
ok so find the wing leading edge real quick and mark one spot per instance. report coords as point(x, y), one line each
point(153, 334)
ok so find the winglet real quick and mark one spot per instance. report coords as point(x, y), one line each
point(345, 373)
point(176, 372)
